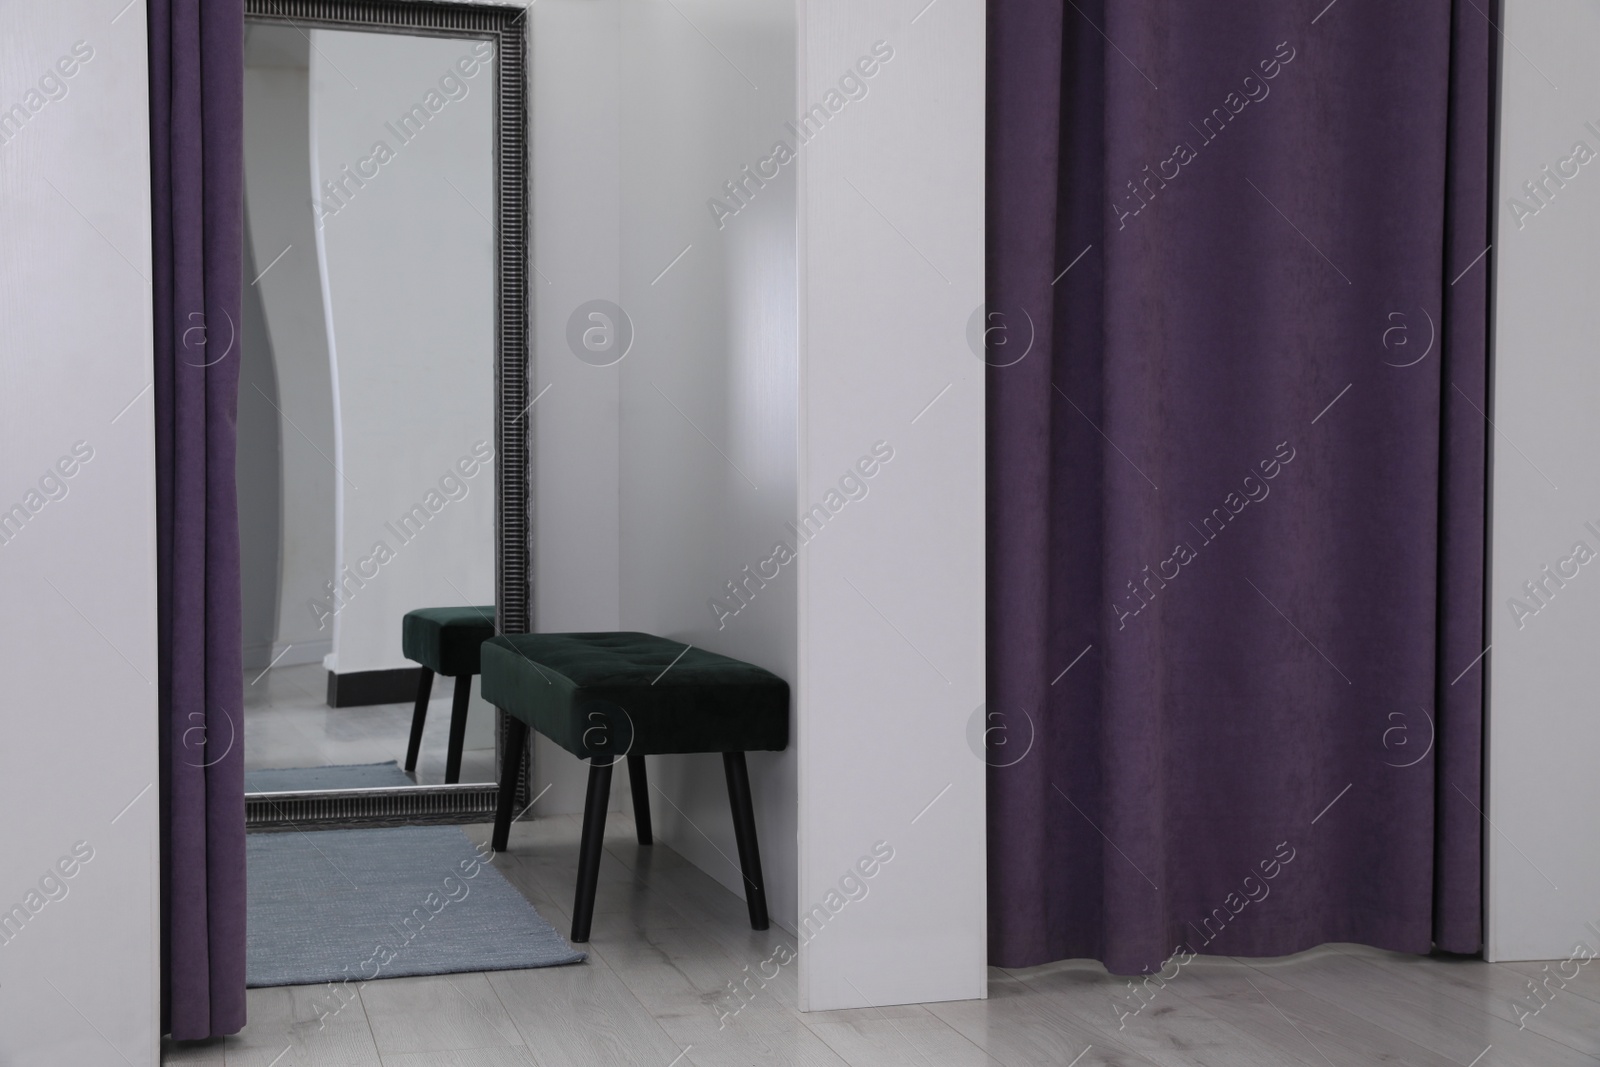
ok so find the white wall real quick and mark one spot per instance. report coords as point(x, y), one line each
point(892, 591)
point(1543, 867)
point(574, 155)
point(78, 641)
point(286, 279)
point(709, 391)
point(408, 260)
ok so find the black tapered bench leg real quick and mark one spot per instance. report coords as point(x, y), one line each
point(744, 832)
point(510, 768)
point(419, 717)
point(640, 784)
point(458, 729)
point(593, 844)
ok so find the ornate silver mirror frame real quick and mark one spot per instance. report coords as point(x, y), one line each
point(506, 27)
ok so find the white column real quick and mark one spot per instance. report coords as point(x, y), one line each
point(892, 588)
point(78, 880)
point(1543, 871)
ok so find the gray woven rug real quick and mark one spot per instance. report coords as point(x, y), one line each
point(338, 776)
point(331, 905)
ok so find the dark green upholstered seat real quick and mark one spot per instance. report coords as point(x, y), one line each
point(598, 694)
point(447, 640)
point(606, 696)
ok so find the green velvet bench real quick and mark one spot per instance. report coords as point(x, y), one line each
point(609, 696)
point(445, 641)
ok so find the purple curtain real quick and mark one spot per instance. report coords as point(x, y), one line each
point(1236, 484)
point(197, 192)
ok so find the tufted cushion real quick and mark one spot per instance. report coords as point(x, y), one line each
point(621, 693)
point(447, 640)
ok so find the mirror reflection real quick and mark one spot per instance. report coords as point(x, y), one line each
point(365, 460)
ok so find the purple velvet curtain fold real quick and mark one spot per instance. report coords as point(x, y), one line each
point(197, 192)
point(1237, 484)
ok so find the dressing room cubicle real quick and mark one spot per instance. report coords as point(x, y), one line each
point(754, 434)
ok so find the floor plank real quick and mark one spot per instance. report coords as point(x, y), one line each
point(1172, 1030)
point(1402, 996)
point(292, 1026)
point(1559, 980)
point(1020, 1028)
point(890, 1037)
point(580, 1015)
point(1287, 1017)
point(518, 1056)
point(685, 980)
point(1572, 1021)
point(193, 1053)
point(437, 1013)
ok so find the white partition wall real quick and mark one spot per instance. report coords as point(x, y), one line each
point(1543, 869)
point(78, 950)
point(709, 388)
point(891, 603)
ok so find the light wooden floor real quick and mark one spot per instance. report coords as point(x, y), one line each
point(287, 723)
point(668, 939)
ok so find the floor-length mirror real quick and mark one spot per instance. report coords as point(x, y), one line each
point(367, 406)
